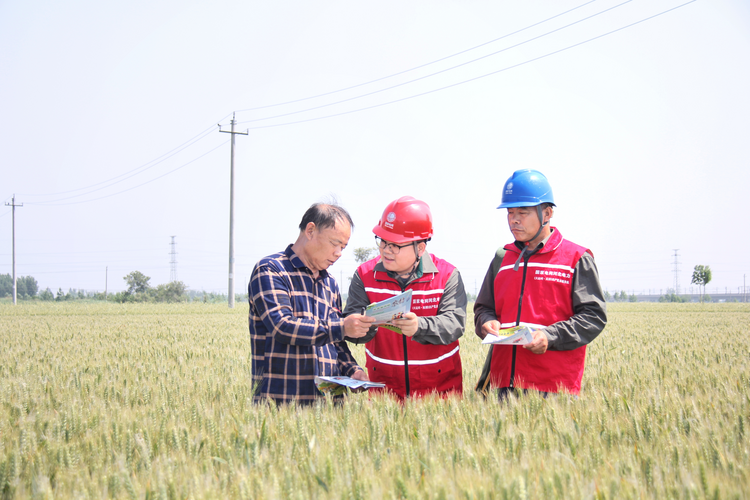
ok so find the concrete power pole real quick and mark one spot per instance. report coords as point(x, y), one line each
point(230, 286)
point(13, 225)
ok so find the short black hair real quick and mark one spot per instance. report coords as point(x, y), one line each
point(325, 215)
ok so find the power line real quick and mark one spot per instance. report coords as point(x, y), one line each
point(472, 79)
point(52, 202)
point(135, 171)
point(206, 132)
point(415, 67)
point(443, 70)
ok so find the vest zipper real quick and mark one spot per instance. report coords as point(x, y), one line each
point(407, 385)
point(518, 317)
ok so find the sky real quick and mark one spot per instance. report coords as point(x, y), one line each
point(638, 113)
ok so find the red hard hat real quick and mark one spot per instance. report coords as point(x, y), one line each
point(404, 220)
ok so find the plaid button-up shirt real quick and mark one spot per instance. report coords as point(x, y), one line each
point(296, 329)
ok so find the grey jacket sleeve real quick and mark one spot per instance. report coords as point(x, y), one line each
point(449, 323)
point(589, 310)
point(356, 301)
point(484, 306)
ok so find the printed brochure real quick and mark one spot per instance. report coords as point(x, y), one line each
point(338, 385)
point(518, 335)
point(387, 310)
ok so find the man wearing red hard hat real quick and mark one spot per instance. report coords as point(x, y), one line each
point(424, 357)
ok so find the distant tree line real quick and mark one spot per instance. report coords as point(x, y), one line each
point(139, 290)
point(26, 286)
point(621, 296)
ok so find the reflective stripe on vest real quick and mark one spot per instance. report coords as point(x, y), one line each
point(412, 361)
point(546, 266)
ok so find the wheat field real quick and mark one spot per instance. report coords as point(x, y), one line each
point(147, 401)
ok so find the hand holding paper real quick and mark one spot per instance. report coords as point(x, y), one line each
point(517, 335)
point(357, 325)
point(408, 324)
point(386, 311)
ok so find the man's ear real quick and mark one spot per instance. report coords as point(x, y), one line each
point(421, 247)
point(548, 213)
point(310, 230)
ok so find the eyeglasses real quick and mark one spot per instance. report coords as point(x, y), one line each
point(395, 249)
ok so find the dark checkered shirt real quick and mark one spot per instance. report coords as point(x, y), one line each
point(296, 329)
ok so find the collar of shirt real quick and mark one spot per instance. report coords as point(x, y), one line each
point(521, 245)
point(298, 264)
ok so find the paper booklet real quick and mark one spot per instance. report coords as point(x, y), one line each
point(387, 310)
point(517, 335)
point(339, 385)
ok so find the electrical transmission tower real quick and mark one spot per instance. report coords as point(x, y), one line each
point(173, 263)
point(676, 272)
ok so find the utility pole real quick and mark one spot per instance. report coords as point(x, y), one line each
point(13, 225)
point(231, 212)
point(106, 272)
point(676, 273)
point(173, 263)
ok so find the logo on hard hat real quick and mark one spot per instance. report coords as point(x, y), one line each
point(389, 220)
point(509, 188)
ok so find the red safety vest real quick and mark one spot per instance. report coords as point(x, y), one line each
point(399, 361)
point(545, 288)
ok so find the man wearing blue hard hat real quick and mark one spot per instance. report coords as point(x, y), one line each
point(542, 281)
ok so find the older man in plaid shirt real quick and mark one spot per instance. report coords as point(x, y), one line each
point(296, 327)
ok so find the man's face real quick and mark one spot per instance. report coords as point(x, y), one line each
point(523, 222)
point(403, 261)
point(325, 246)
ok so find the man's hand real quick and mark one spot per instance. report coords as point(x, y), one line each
point(492, 327)
point(539, 344)
point(357, 325)
point(409, 324)
point(360, 375)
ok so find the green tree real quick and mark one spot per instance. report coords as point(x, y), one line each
point(47, 295)
point(701, 277)
point(137, 283)
point(6, 285)
point(363, 254)
point(30, 286)
point(171, 292)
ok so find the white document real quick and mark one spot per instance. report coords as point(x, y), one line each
point(518, 335)
point(339, 385)
point(387, 310)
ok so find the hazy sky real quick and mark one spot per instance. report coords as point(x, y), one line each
point(638, 112)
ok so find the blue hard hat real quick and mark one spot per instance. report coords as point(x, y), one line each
point(526, 188)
